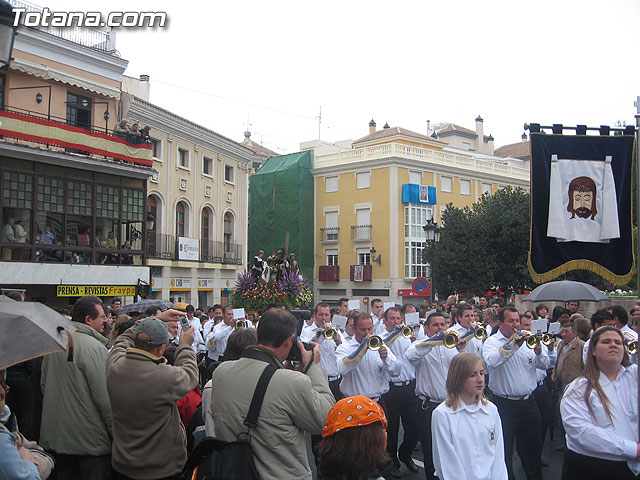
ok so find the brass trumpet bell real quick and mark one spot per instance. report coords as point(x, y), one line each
point(533, 341)
point(241, 324)
point(451, 339)
point(407, 332)
point(547, 338)
point(632, 347)
point(329, 333)
point(374, 343)
point(480, 333)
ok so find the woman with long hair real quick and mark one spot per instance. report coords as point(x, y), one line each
point(600, 413)
point(466, 427)
point(354, 443)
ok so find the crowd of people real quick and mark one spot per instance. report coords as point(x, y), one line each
point(470, 381)
point(132, 133)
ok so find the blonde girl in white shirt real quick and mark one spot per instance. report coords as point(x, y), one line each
point(466, 428)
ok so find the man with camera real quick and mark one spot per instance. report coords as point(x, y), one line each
point(295, 401)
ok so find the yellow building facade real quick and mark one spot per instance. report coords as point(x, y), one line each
point(359, 207)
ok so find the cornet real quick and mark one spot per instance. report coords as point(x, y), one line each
point(374, 342)
point(328, 333)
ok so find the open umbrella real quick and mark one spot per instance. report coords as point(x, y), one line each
point(143, 304)
point(565, 291)
point(29, 330)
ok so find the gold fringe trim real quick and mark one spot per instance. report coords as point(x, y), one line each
point(581, 264)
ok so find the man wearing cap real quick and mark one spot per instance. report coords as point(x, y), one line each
point(149, 440)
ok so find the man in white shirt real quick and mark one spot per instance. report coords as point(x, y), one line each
point(377, 310)
point(400, 400)
point(464, 316)
point(432, 366)
point(349, 329)
point(599, 319)
point(343, 305)
point(513, 379)
point(322, 315)
point(367, 374)
point(213, 313)
point(621, 318)
point(217, 338)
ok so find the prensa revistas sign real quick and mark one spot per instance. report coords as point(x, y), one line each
point(97, 290)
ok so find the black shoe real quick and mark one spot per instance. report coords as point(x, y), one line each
point(395, 472)
point(411, 466)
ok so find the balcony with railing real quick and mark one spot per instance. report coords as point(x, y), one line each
point(329, 234)
point(361, 233)
point(360, 273)
point(24, 127)
point(399, 150)
point(89, 37)
point(167, 247)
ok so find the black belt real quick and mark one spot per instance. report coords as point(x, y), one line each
point(400, 384)
point(513, 397)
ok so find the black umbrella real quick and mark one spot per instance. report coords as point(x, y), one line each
point(29, 330)
point(142, 305)
point(565, 291)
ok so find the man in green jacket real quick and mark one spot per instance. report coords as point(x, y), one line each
point(295, 401)
point(149, 440)
point(76, 414)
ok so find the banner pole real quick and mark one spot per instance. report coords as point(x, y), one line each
point(637, 155)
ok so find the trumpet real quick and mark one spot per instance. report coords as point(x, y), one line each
point(534, 340)
point(374, 342)
point(632, 347)
point(328, 333)
point(480, 332)
point(451, 339)
point(408, 332)
point(240, 324)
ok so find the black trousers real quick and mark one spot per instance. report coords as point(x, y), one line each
point(425, 411)
point(20, 401)
point(583, 467)
point(401, 403)
point(82, 467)
point(543, 400)
point(521, 428)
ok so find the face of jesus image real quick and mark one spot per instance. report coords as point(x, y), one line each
point(582, 196)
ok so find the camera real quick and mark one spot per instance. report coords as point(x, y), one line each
point(301, 317)
point(185, 323)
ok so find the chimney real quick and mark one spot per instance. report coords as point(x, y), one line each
point(143, 87)
point(524, 137)
point(490, 140)
point(372, 127)
point(386, 125)
point(428, 127)
point(480, 134)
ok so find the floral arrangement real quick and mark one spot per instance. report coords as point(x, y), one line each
point(621, 293)
point(251, 294)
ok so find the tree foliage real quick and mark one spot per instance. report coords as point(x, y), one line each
point(484, 246)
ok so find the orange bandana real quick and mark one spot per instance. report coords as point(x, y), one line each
point(356, 411)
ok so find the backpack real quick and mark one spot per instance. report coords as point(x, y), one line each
point(215, 459)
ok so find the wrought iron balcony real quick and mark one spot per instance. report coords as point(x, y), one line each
point(361, 233)
point(166, 247)
point(329, 273)
point(329, 234)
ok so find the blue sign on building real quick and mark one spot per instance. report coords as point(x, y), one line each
point(412, 193)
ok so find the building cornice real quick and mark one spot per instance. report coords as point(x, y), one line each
point(165, 121)
point(494, 177)
point(64, 51)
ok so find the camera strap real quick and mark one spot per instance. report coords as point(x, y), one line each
point(258, 396)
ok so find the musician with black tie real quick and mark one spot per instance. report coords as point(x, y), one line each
point(366, 365)
point(512, 379)
point(431, 359)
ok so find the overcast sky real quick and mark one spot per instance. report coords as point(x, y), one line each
point(273, 64)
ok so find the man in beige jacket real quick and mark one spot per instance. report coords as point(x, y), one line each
point(295, 401)
point(149, 440)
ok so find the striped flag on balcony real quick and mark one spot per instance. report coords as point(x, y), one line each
point(581, 206)
point(23, 127)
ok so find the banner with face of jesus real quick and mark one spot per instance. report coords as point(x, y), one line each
point(581, 206)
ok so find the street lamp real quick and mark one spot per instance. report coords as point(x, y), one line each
point(7, 33)
point(432, 234)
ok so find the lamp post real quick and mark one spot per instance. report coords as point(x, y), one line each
point(432, 236)
point(7, 33)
